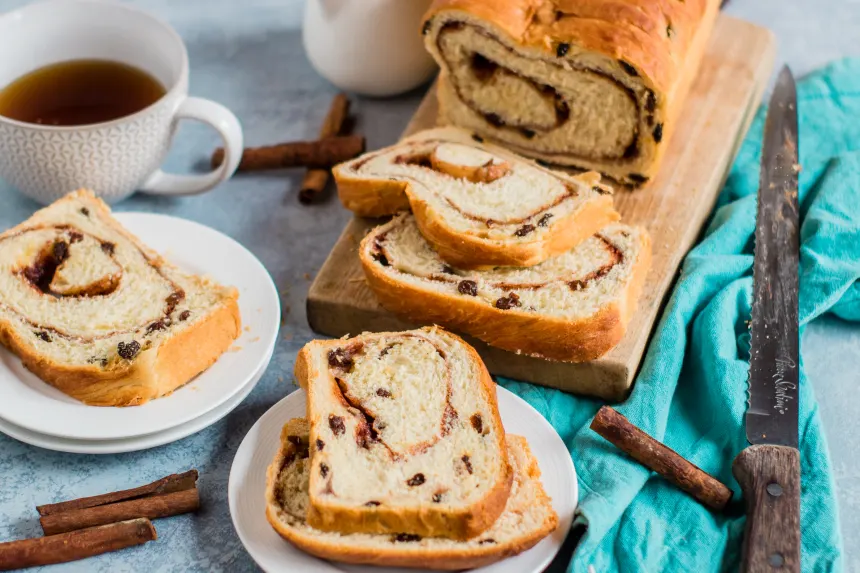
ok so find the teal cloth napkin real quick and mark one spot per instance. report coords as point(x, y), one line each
point(690, 391)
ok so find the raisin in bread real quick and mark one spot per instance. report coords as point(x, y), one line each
point(95, 313)
point(527, 518)
point(477, 204)
point(406, 435)
point(573, 307)
point(596, 84)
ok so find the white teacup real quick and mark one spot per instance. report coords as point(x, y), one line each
point(117, 157)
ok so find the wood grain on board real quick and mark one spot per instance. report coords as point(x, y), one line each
point(719, 108)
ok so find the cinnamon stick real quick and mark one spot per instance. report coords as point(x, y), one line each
point(657, 457)
point(75, 545)
point(151, 507)
point(171, 483)
point(315, 180)
point(322, 153)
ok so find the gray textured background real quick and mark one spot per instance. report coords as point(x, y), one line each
point(248, 56)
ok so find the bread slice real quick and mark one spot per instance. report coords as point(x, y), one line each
point(527, 518)
point(406, 435)
point(596, 84)
point(573, 307)
point(95, 313)
point(479, 205)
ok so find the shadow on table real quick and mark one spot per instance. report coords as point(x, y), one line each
point(212, 543)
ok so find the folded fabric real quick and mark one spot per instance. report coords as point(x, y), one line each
point(690, 391)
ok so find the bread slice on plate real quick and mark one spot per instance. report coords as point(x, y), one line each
point(477, 204)
point(573, 307)
point(405, 433)
point(95, 313)
point(527, 518)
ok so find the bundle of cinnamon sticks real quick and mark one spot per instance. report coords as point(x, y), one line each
point(90, 526)
point(332, 147)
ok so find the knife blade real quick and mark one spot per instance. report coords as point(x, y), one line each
point(769, 470)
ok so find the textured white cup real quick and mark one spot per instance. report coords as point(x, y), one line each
point(117, 157)
point(371, 47)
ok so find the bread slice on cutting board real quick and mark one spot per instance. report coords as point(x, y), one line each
point(406, 436)
point(527, 517)
point(478, 204)
point(573, 307)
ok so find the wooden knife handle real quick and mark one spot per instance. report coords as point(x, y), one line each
point(769, 477)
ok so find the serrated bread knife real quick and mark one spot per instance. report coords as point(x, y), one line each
point(768, 471)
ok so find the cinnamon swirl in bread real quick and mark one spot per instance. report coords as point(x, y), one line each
point(596, 84)
point(477, 204)
point(95, 313)
point(406, 435)
point(573, 307)
point(527, 518)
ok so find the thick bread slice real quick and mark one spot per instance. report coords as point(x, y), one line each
point(406, 435)
point(573, 307)
point(479, 205)
point(527, 518)
point(597, 84)
point(95, 313)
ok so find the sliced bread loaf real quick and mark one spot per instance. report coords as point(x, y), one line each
point(95, 313)
point(597, 84)
point(527, 518)
point(477, 204)
point(406, 435)
point(573, 307)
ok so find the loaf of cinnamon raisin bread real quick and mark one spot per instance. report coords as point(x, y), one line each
point(527, 518)
point(596, 84)
point(405, 434)
point(573, 307)
point(92, 311)
point(477, 204)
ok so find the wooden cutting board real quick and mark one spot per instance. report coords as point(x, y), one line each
point(674, 208)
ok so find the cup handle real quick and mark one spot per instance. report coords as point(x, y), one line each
point(227, 125)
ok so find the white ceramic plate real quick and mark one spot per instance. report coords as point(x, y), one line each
point(130, 444)
point(275, 555)
point(31, 404)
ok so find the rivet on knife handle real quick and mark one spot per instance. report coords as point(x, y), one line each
point(769, 477)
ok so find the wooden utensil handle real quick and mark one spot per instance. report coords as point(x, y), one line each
point(769, 477)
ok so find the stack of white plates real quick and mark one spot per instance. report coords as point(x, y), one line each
point(38, 414)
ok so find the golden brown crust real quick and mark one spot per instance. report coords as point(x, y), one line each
point(486, 173)
point(302, 367)
point(470, 252)
point(370, 198)
point(182, 357)
point(513, 330)
point(154, 373)
point(427, 521)
point(447, 559)
point(661, 41)
point(653, 36)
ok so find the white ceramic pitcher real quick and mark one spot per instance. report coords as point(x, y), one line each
point(371, 47)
